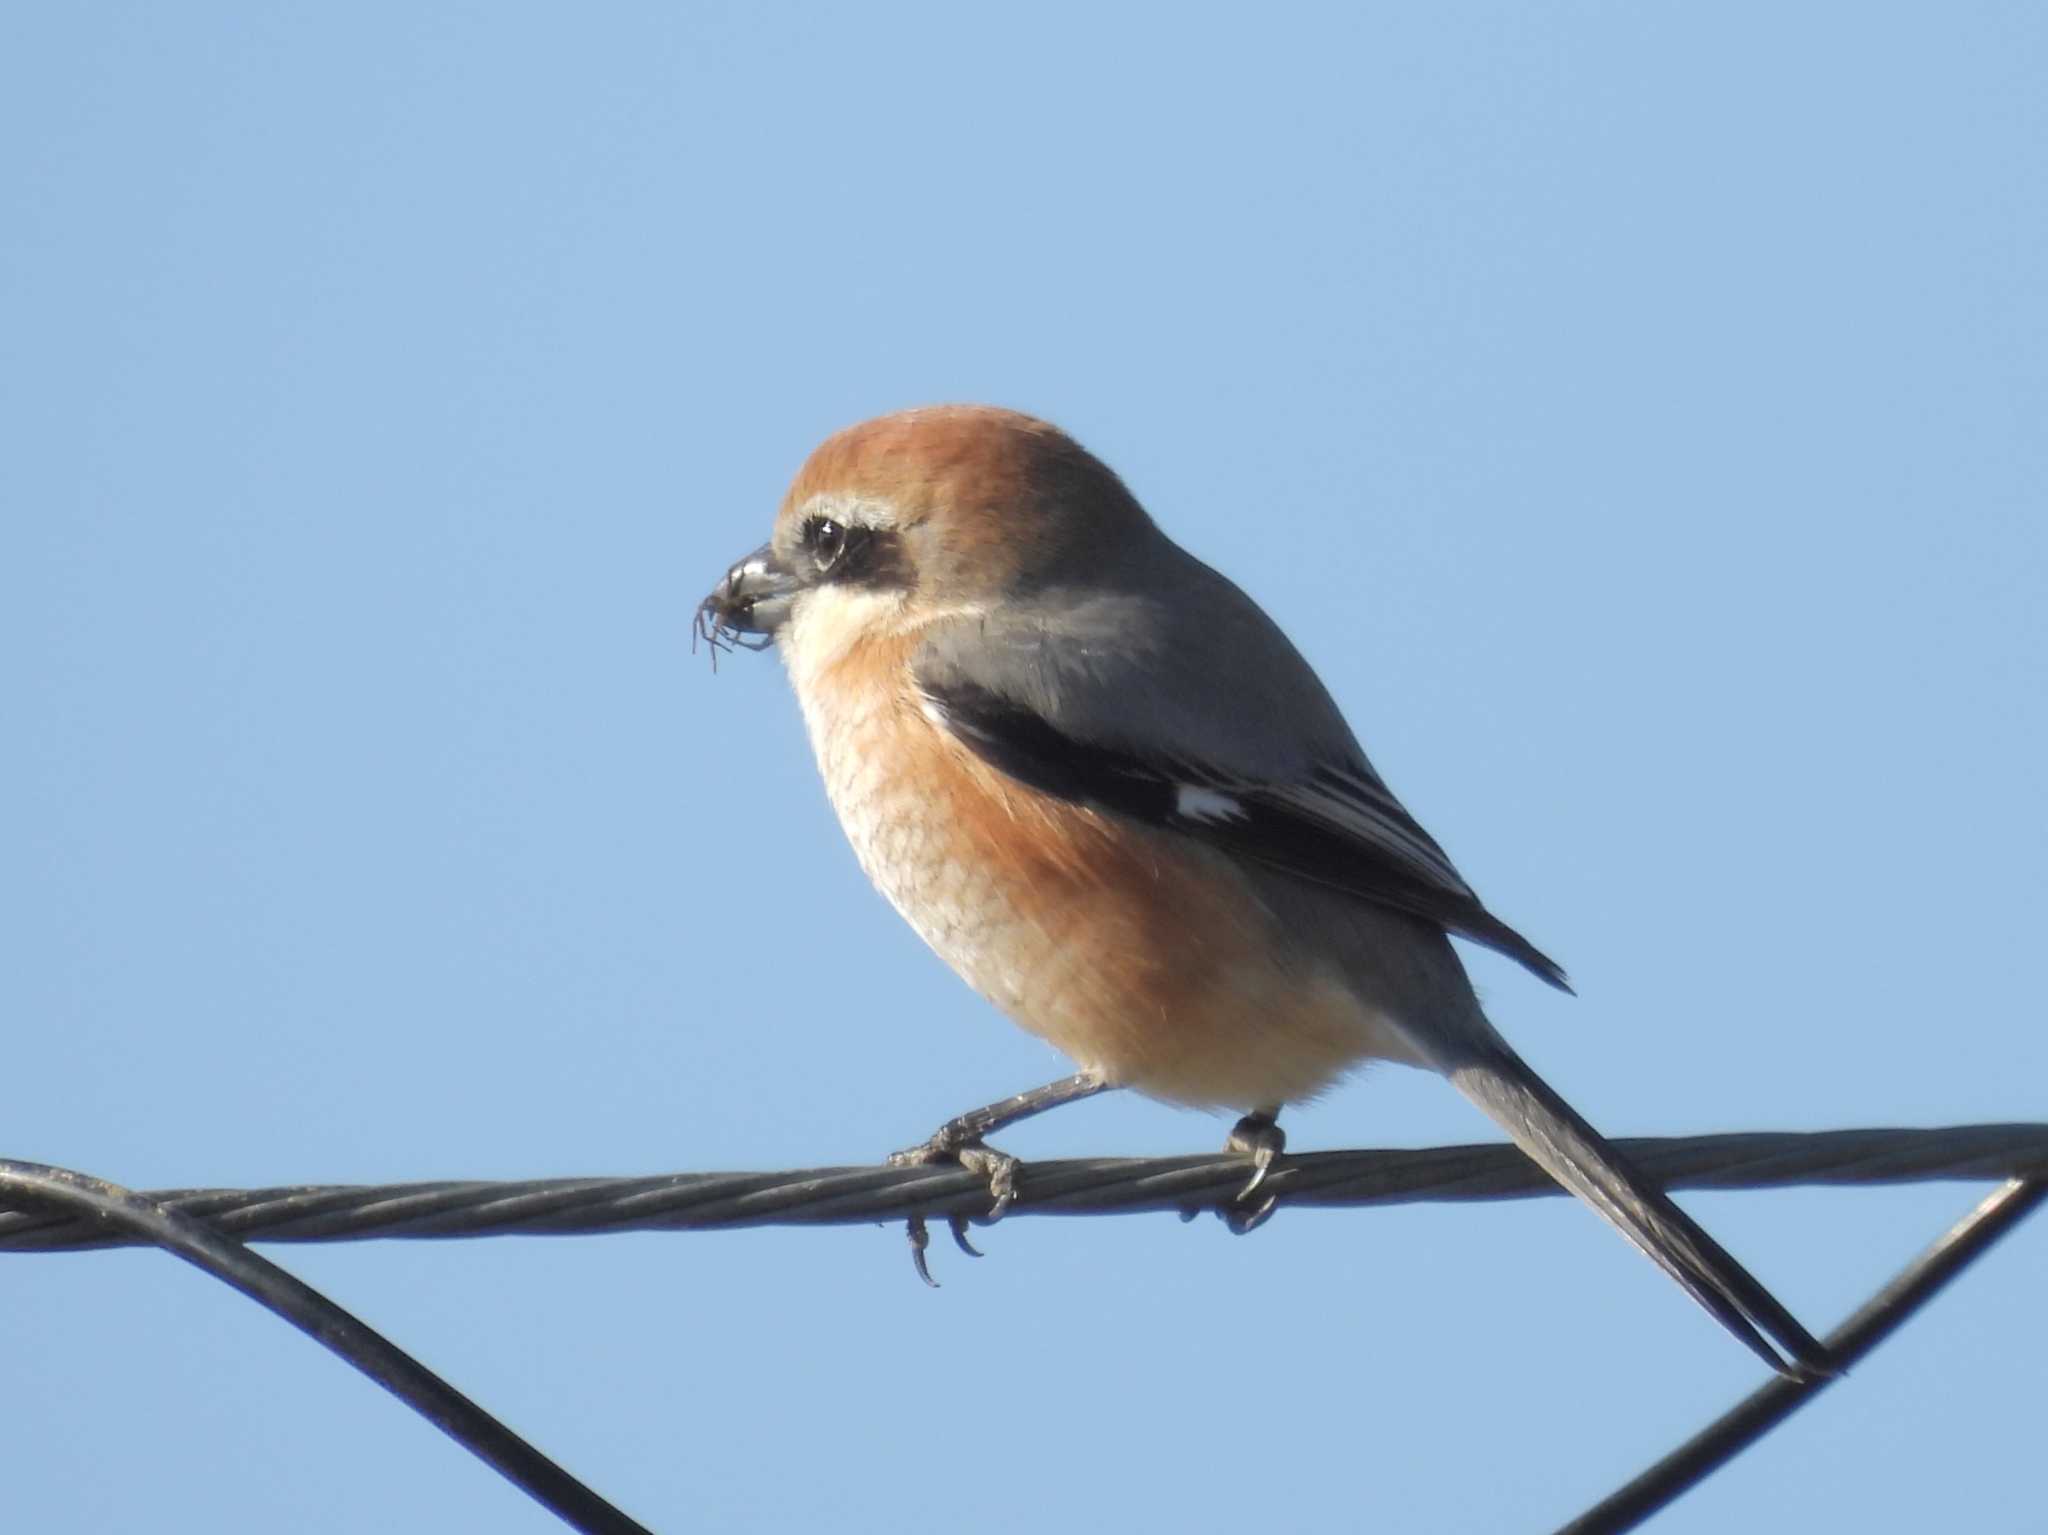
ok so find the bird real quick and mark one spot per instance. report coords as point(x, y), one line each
point(1101, 783)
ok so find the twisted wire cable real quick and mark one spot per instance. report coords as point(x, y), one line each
point(1090, 1186)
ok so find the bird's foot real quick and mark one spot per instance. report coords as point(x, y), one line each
point(998, 1169)
point(1260, 1137)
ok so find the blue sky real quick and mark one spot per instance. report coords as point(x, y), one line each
point(1635, 412)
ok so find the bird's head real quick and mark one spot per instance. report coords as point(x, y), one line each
point(940, 512)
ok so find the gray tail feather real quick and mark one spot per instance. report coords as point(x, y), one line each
point(1574, 1153)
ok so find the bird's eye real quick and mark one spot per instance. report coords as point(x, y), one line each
point(826, 540)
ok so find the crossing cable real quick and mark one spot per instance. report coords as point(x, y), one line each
point(144, 1221)
point(1776, 1400)
point(46, 1209)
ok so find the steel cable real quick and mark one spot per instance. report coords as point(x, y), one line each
point(1093, 1186)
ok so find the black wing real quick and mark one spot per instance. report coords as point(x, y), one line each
point(1335, 825)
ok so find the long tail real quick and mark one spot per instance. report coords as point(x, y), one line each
point(1575, 1154)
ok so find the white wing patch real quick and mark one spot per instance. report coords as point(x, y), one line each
point(1194, 803)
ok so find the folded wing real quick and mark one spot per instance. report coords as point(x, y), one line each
point(1224, 735)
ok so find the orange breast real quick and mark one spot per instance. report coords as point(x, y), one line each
point(1139, 953)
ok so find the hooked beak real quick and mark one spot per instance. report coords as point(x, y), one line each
point(753, 599)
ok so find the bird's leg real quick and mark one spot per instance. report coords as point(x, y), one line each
point(960, 1140)
point(1259, 1135)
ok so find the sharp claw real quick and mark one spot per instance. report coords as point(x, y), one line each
point(999, 1169)
point(958, 1224)
point(920, 1239)
point(1245, 1222)
point(1263, 1140)
point(1262, 1163)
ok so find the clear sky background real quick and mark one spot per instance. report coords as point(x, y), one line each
point(1639, 414)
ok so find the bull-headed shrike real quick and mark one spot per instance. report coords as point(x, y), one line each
point(1101, 783)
